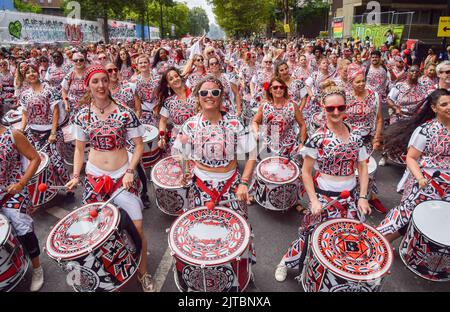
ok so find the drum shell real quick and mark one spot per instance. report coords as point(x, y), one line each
point(43, 175)
point(14, 262)
point(152, 153)
point(173, 201)
point(423, 256)
point(318, 278)
point(232, 276)
point(276, 196)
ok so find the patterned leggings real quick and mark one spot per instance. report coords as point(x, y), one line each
point(398, 218)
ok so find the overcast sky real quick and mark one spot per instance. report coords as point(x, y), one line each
point(204, 5)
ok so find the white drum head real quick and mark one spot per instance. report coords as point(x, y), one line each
point(150, 134)
point(372, 166)
point(432, 218)
point(275, 170)
point(4, 229)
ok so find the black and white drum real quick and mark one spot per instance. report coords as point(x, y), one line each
point(14, 262)
point(425, 249)
point(13, 118)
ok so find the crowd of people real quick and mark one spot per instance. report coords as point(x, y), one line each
point(327, 106)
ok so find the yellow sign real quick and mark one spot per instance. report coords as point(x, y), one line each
point(287, 29)
point(444, 26)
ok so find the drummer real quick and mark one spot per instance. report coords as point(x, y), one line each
point(107, 126)
point(40, 117)
point(215, 141)
point(336, 150)
point(14, 197)
point(428, 152)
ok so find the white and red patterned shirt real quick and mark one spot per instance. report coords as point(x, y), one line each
point(75, 88)
point(39, 107)
point(377, 80)
point(408, 97)
point(125, 95)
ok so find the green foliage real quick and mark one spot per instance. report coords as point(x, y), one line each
point(26, 7)
point(198, 21)
point(311, 9)
point(240, 17)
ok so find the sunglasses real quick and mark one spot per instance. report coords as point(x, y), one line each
point(199, 60)
point(214, 63)
point(78, 60)
point(3, 65)
point(446, 72)
point(212, 52)
point(268, 62)
point(277, 87)
point(102, 58)
point(111, 70)
point(340, 108)
point(213, 92)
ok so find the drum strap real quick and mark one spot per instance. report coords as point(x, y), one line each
point(104, 184)
point(435, 185)
point(214, 194)
point(337, 205)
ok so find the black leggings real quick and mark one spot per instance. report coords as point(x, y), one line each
point(143, 178)
point(31, 244)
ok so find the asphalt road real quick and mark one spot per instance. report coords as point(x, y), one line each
point(274, 231)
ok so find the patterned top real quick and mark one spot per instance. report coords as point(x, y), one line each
point(427, 82)
point(297, 91)
point(407, 96)
point(125, 95)
point(39, 106)
point(10, 164)
point(377, 80)
point(363, 113)
point(109, 134)
point(126, 72)
point(178, 111)
point(333, 156)
point(194, 78)
point(145, 90)
point(7, 83)
point(301, 73)
point(433, 140)
point(215, 145)
point(55, 75)
point(75, 87)
point(161, 67)
point(245, 75)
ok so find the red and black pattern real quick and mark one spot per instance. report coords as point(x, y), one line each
point(377, 80)
point(76, 89)
point(407, 97)
point(124, 95)
point(39, 106)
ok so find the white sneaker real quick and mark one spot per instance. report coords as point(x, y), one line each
point(382, 162)
point(147, 283)
point(37, 279)
point(281, 272)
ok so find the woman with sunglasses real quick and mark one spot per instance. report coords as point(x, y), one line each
point(428, 133)
point(73, 88)
point(146, 84)
point(335, 150)
point(260, 82)
point(6, 87)
point(40, 116)
point(429, 77)
point(292, 61)
point(246, 73)
point(107, 126)
point(312, 107)
point(56, 71)
point(14, 197)
point(194, 71)
point(215, 141)
point(123, 63)
point(341, 78)
point(231, 96)
point(175, 106)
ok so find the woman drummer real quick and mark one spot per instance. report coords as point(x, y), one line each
point(175, 105)
point(296, 87)
point(336, 150)
point(40, 116)
point(194, 71)
point(215, 140)
point(107, 126)
point(14, 197)
point(146, 85)
point(428, 152)
point(364, 112)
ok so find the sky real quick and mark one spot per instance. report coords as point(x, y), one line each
point(204, 5)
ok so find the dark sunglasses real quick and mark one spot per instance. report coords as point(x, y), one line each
point(268, 62)
point(213, 63)
point(199, 60)
point(340, 108)
point(214, 92)
point(277, 87)
point(111, 70)
point(78, 60)
point(447, 72)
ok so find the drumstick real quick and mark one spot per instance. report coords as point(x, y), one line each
point(344, 195)
point(94, 212)
point(211, 205)
point(184, 140)
point(43, 187)
point(44, 147)
point(436, 186)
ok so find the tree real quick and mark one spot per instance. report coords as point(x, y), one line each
point(242, 18)
point(26, 7)
point(198, 21)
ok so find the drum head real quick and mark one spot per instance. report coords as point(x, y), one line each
point(274, 170)
point(209, 237)
point(167, 173)
point(352, 255)
point(12, 116)
point(44, 163)
point(4, 229)
point(372, 166)
point(151, 133)
point(432, 219)
point(78, 233)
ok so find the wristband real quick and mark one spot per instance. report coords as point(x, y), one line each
point(363, 197)
point(76, 176)
point(129, 170)
point(244, 183)
point(52, 133)
point(245, 180)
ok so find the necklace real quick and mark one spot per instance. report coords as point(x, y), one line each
point(102, 109)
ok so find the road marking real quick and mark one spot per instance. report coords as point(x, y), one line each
point(163, 269)
point(57, 212)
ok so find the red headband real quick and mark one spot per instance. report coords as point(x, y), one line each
point(92, 70)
